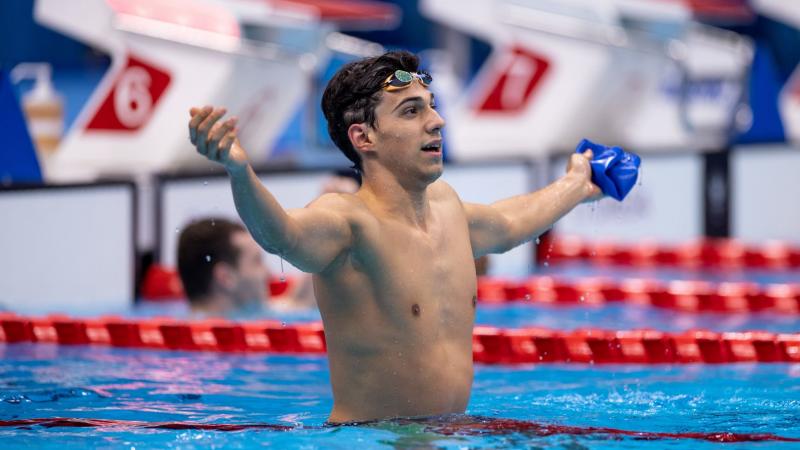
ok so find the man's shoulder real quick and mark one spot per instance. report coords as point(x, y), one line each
point(349, 206)
point(337, 202)
point(441, 190)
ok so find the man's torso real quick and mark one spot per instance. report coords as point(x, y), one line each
point(398, 310)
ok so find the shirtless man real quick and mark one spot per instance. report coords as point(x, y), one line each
point(393, 264)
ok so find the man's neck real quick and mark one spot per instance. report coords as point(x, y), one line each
point(212, 305)
point(406, 201)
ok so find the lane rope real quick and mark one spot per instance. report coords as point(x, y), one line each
point(706, 253)
point(680, 295)
point(491, 345)
point(465, 425)
point(163, 283)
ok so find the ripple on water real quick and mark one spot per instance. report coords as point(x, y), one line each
point(48, 396)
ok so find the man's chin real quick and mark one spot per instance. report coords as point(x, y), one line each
point(433, 173)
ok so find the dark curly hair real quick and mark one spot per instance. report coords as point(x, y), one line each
point(353, 93)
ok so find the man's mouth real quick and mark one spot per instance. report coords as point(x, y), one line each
point(434, 147)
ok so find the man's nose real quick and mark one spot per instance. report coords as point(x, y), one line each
point(436, 123)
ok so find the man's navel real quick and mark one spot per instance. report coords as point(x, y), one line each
point(415, 310)
point(474, 301)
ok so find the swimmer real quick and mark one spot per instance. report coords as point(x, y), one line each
point(393, 264)
point(222, 268)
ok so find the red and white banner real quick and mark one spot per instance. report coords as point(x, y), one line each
point(132, 99)
point(518, 76)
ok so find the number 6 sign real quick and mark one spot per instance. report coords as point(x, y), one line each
point(132, 99)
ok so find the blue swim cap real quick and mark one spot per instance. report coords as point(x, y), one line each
point(614, 170)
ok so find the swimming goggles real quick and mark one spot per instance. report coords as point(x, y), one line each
point(401, 79)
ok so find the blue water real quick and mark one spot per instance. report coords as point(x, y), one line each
point(106, 383)
point(148, 386)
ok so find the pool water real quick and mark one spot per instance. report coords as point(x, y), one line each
point(158, 399)
point(135, 386)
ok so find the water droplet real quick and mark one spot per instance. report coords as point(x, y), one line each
point(205, 183)
point(177, 230)
point(546, 264)
point(527, 296)
point(538, 241)
point(583, 298)
point(213, 223)
point(208, 258)
point(283, 324)
point(283, 274)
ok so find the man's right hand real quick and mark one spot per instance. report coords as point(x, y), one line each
point(579, 167)
point(216, 140)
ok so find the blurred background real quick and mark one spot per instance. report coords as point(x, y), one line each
point(98, 178)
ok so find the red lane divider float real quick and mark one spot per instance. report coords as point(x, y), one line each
point(110, 424)
point(162, 283)
point(688, 296)
point(490, 345)
point(165, 333)
point(466, 426)
point(709, 253)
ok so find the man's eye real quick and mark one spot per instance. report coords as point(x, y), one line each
point(411, 110)
point(433, 105)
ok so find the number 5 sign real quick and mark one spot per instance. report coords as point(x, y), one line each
point(132, 99)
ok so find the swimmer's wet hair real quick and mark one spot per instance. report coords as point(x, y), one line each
point(201, 245)
point(353, 93)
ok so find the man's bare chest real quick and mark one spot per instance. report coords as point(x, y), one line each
point(422, 278)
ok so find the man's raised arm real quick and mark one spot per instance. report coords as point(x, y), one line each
point(310, 238)
point(503, 225)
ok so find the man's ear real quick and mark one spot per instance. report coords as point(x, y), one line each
point(360, 135)
point(223, 275)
